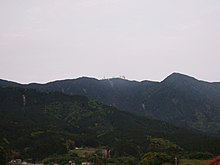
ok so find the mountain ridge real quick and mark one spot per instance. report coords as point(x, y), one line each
point(173, 74)
point(179, 99)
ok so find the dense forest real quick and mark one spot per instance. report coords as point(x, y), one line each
point(45, 126)
point(179, 99)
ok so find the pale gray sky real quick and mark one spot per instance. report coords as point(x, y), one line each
point(44, 40)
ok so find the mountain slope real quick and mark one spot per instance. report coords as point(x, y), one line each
point(186, 101)
point(42, 124)
point(179, 99)
point(123, 94)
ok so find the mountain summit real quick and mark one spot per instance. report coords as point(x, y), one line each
point(174, 77)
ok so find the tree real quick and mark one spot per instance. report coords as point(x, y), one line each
point(154, 158)
point(3, 156)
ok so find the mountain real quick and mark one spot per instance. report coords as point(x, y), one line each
point(186, 101)
point(35, 125)
point(179, 99)
point(123, 94)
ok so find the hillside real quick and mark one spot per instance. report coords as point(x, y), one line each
point(36, 125)
point(179, 99)
point(185, 101)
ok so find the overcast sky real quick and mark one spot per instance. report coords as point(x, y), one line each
point(44, 40)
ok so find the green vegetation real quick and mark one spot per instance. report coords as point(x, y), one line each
point(179, 99)
point(3, 157)
point(193, 162)
point(153, 158)
point(49, 126)
point(200, 155)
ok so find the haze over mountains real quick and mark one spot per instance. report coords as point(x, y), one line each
point(179, 99)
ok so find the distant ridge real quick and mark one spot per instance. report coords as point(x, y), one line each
point(178, 99)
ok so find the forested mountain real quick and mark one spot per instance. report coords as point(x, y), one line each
point(37, 124)
point(178, 99)
point(186, 101)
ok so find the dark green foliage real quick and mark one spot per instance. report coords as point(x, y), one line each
point(162, 145)
point(179, 99)
point(51, 123)
point(3, 157)
point(201, 155)
point(125, 160)
point(154, 158)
